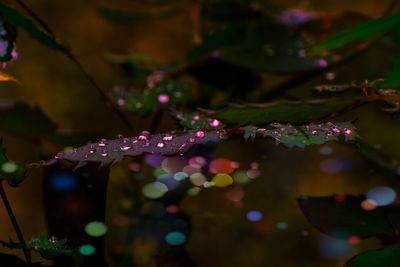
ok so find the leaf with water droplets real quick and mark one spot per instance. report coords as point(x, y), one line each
point(196, 121)
point(109, 152)
point(163, 94)
point(343, 217)
point(283, 112)
point(301, 136)
point(10, 171)
point(48, 248)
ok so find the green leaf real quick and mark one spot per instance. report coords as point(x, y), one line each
point(282, 112)
point(7, 39)
point(22, 119)
point(259, 45)
point(164, 94)
point(388, 257)
point(392, 79)
point(344, 218)
point(10, 171)
point(29, 27)
point(48, 248)
point(360, 33)
point(302, 136)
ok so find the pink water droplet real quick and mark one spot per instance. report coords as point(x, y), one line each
point(163, 98)
point(160, 145)
point(199, 134)
point(191, 140)
point(214, 123)
point(168, 138)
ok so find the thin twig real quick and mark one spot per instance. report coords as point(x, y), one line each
point(14, 222)
point(69, 54)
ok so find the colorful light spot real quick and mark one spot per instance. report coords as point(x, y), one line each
point(240, 177)
point(282, 225)
point(253, 173)
point(179, 176)
point(154, 190)
point(222, 180)
point(194, 191)
point(163, 98)
point(325, 150)
point(254, 215)
point(382, 195)
point(354, 240)
point(368, 204)
point(221, 166)
point(9, 167)
point(175, 238)
point(87, 250)
point(63, 182)
point(197, 178)
point(172, 209)
point(197, 162)
point(96, 229)
point(168, 180)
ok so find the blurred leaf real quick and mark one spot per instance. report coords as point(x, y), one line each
point(283, 112)
point(388, 257)
point(123, 16)
point(392, 79)
point(258, 45)
point(22, 119)
point(163, 94)
point(10, 171)
point(109, 152)
point(344, 218)
point(4, 77)
point(29, 27)
point(360, 33)
point(7, 39)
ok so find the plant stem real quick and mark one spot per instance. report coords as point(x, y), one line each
point(69, 54)
point(14, 222)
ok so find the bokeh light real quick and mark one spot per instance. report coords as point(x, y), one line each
point(254, 215)
point(96, 228)
point(63, 182)
point(87, 250)
point(382, 195)
point(154, 190)
point(175, 238)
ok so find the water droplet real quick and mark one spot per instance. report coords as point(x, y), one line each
point(214, 123)
point(168, 137)
point(199, 134)
point(191, 140)
point(124, 148)
point(160, 145)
